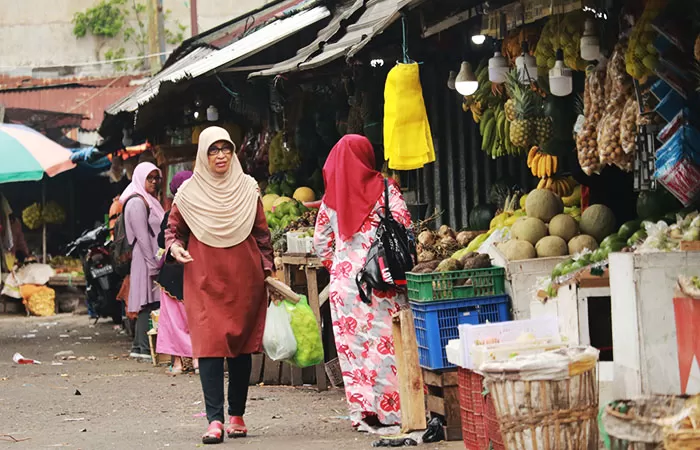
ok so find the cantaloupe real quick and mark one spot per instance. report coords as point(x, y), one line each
point(268, 201)
point(543, 204)
point(582, 242)
point(515, 250)
point(529, 229)
point(551, 246)
point(598, 221)
point(304, 194)
point(564, 226)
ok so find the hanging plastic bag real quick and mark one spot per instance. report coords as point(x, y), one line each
point(308, 336)
point(278, 339)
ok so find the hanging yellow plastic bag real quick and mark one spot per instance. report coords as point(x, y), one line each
point(408, 142)
point(308, 336)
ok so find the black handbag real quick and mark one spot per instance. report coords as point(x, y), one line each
point(391, 255)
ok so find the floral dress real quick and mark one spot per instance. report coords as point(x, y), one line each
point(363, 333)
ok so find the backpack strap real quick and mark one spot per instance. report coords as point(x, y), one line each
point(148, 210)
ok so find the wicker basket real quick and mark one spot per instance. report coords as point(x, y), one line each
point(558, 412)
point(682, 439)
point(639, 427)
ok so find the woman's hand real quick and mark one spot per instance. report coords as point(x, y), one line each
point(180, 254)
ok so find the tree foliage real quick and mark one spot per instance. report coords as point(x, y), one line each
point(124, 20)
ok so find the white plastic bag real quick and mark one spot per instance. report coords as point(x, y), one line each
point(278, 339)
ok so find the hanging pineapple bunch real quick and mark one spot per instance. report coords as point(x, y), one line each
point(520, 112)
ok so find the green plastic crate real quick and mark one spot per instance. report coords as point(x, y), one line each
point(459, 284)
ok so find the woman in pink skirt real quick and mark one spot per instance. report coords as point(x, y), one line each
point(173, 332)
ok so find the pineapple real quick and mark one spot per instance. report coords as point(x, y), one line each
point(510, 109)
point(543, 130)
point(521, 128)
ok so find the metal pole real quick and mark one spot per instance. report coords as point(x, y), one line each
point(43, 234)
point(194, 25)
point(161, 31)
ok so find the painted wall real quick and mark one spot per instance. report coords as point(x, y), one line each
point(39, 33)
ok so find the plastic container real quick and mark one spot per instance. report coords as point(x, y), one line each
point(473, 405)
point(438, 322)
point(299, 242)
point(505, 332)
point(470, 283)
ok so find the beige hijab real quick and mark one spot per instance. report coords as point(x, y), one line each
point(220, 210)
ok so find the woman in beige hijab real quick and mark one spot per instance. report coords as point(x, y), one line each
point(217, 229)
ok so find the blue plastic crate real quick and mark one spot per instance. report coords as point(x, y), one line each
point(437, 323)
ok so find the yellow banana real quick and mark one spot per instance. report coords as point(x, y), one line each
point(548, 184)
point(548, 166)
point(534, 165)
point(531, 156)
point(555, 163)
point(540, 185)
point(541, 167)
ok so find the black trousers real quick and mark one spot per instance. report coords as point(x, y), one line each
point(211, 373)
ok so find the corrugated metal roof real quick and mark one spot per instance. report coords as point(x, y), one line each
point(378, 15)
point(90, 102)
point(204, 60)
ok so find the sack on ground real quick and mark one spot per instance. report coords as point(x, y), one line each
point(308, 336)
point(279, 342)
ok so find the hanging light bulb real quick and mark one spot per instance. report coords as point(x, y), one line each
point(478, 39)
point(590, 43)
point(466, 82)
point(498, 68)
point(561, 81)
point(526, 65)
point(451, 80)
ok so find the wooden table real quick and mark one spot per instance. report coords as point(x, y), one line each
point(66, 280)
point(310, 265)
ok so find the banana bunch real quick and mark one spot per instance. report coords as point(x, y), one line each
point(541, 164)
point(563, 187)
point(477, 102)
point(495, 133)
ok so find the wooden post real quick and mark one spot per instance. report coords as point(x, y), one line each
point(312, 285)
point(194, 22)
point(152, 12)
point(43, 232)
point(409, 372)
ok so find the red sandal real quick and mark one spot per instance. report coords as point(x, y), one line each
point(236, 428)
point(214, 434)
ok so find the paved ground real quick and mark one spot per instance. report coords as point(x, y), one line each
point(104, 401)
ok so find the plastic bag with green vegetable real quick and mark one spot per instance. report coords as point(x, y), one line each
point(308, 336)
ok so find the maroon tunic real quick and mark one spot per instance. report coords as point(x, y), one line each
point(224, 289)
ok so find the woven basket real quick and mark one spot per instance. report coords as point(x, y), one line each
point(547, 414)
point(640, 427)
point(682, 439)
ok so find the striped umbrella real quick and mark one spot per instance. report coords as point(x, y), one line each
point(26, 155)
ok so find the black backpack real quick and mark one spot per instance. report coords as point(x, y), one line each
point(122, 249)
point(391, 255)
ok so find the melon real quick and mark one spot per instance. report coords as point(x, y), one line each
point(582, 242)
point(551, 246)
point(598, 221)
point(529, 229)
point(280, 201)
point(304, 194)
point(515, 250)
point(563, 226)
point(543, 204)
point(268, 201)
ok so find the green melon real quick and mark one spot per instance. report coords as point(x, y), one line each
point(564, 226)
point(597, 221)
point(529, 229)
point(543, 204)
point(581, 242)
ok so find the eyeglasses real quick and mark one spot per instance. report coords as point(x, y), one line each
point(154, 179)
point(226, 150)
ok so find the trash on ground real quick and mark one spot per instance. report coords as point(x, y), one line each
point(399, 442)
point(64, 354)
point(435, 431)
point(19, 359)
point(77, 392)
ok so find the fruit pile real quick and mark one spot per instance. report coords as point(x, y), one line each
point(561, 32)
point(594, 108)
point(31, 216)
point(34, 216)
point(525, 111)
point(441, 244)
point(53, 214)
point(550, 230)
point(641, 57)
point(64, 264)
point(283, 156)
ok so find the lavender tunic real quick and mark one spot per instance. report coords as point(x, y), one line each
point(144, 263)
